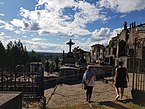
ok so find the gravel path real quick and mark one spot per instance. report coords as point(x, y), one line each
point(74, 94)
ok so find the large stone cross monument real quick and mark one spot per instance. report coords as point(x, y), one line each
point(69, 59)
point(70, 43)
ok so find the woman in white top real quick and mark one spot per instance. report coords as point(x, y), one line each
point(89, 79)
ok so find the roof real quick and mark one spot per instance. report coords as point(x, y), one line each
point(36, 63)
point(97, 45)
point(67, 67)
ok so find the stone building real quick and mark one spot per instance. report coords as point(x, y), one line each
point(127, 44)
point(97, 53)
point(111, 51)
point(136, 44)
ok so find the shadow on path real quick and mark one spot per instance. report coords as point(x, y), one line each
point(120, 104)
point(113, 105)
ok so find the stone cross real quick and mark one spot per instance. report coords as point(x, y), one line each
point(70, 43)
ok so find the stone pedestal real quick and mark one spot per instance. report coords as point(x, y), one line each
point(68, 73)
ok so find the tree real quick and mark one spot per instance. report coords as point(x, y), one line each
point(34, 57)
point(9, 54)
point(76, 52)
point(16, 54)
point(112, 43)
point(2, 55)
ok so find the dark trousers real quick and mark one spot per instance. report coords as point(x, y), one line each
point(89, 92)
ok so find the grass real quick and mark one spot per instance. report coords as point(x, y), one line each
point(104, 105)
point(135, 106)
point(76, 106)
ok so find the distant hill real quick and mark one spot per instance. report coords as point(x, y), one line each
point(50, 55)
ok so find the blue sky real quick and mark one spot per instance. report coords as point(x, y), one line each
point(46, 25)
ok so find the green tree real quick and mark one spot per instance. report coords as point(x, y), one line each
point(2, 55)
point(9, 54)
point(76, 52)
point(111, 43)
point(25, 56)
point(34, 57)
point(16, 54)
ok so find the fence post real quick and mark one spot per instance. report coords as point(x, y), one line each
point(134, 56)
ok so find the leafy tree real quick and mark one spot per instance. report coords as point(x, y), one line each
point(2, 55)
point(111, 43)
point(15, 54)
point(9, 54)
point(34, 57)
point(76, 52)
point(25, 56)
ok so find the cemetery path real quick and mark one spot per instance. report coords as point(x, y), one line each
point(103, 95)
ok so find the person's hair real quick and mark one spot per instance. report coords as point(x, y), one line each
point(88, 67)
point(121, 63)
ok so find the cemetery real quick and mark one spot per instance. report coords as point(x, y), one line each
point(28, 83)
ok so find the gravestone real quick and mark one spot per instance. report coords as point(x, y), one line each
point(82, 60)
point(56, 64)
point(47, 66)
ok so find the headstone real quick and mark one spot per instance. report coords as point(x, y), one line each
point(47, 66)
point(56, 63)
point(82, 60)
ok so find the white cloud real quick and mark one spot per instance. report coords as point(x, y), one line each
point(103, 36)
point(6, 25)
point(37, 39)
point(123, 6)
point(85, 45)
point(2, 22)
point(25, 36)
point(2, 36)
point(41, 46)
point(2, 33)
point(7, 37)
point(1, 14)
point(53, 20)
point(18, 23)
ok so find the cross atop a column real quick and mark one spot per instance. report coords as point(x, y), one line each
point(70, 43)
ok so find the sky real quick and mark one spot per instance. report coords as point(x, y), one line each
point(47, 25)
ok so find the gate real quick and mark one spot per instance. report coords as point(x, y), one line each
point(138, 83)
point(26, 79)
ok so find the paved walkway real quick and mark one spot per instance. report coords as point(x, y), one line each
point(74, 94)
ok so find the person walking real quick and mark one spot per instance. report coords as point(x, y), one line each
point(121, 77)
point(88, 80)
